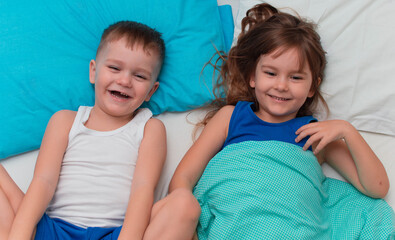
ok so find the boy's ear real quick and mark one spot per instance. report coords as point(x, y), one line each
point(152, 91)
point(92, 71)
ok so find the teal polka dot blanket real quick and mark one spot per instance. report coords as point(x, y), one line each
point(275, 190)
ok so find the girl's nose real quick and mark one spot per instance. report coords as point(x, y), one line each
point(281, 84)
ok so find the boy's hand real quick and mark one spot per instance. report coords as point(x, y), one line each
point(323, 133)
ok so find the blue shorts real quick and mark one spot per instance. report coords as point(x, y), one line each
point(57, 229)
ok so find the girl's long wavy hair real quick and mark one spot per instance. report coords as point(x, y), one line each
point(264, 30)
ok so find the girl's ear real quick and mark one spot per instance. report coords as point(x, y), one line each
point(92, 71)
point(252, 81)
point(312, 91)
point(152, 91)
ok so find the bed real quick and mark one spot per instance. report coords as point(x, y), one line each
point(35, 47)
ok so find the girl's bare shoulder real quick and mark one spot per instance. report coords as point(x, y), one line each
point(225, 111)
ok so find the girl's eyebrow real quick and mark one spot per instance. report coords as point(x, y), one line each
point(299, 72)
point(292, 71)
point(267, 66)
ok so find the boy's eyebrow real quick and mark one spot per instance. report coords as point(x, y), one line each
point(139, 68)
point(149, 73)
point(113, 60)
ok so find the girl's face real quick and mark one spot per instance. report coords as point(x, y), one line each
point(281, 88)
point(124, 78)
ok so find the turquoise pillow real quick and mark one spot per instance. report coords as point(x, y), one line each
point(46, 47)
point(225, 13)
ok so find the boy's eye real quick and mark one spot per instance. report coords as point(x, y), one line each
point(114, 68)
point(141, 76)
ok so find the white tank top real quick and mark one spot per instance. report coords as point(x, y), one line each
point(97, 172)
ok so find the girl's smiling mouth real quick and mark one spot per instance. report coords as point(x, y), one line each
point(279, 98)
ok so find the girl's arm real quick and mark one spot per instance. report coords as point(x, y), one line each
point(339, 144)
point(206, 146)
point(46, 175)
point(151, 157)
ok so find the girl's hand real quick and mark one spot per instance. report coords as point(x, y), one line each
point(322, 133)
point(352, 158)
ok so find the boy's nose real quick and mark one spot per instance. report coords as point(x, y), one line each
point(124, 80)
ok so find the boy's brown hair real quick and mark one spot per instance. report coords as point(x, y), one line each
point(135, 33)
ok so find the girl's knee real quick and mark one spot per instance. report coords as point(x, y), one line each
point(174, 217)
point(185, 204)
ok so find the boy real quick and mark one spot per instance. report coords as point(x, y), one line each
point(82, 186)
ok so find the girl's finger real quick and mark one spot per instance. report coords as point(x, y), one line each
point(304, 133)
point(302, 128)
point(321, 145)
point(309, 125)
point(314, 138)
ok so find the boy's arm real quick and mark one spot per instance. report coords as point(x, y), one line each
point(151, 157)
point(46, 175)
point(345, 150)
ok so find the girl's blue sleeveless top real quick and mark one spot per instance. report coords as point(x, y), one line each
point(245, 125)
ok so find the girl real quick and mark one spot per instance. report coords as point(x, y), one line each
point(256, 164)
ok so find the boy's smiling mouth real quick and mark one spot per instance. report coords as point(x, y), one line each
point(119, 94)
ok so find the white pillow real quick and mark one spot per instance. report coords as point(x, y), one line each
point(358, 35)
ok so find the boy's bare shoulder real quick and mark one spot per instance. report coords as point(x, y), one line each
point(154, 123)
point(154, 120)
point(63, 118)
point(65, 115)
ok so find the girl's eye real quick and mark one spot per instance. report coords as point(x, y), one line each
point(270, 73)
point(297, 77)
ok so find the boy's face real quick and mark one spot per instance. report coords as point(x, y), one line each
point(124, 78)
